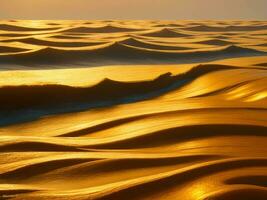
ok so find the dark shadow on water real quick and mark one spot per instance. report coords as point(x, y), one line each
point(26, 103)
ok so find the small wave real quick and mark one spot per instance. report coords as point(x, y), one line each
point(44, 42)
point(103, 29)
point(169, 25)
point(65, 36)
point(175, 135)
point(53, 24)
point(118, 53)
point(7, 27)
point(165, 32)
point(13, 35)
point(206, 28)
point(6, 49)
point(149, 45)
point(216, 42)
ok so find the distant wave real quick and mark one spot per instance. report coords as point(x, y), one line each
point(149, 45)
point(103, 29)
point(65, 36)
point(56, 45)
point(6, 49)
point(13, 35)
point(169, 25)
point(121, 53)
point(220, 42)
point(8, 27)
point(43, 42)
point(226, 28)
point(165, 32)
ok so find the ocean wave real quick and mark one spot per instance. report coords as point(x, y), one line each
point(103, 29)
point(44, 42)
point(133, 131)
point(165, 32)
point(226, 28)
point(150, 45)
point(39, 100)
point(7, 49)
point(8, 27)
point(118, 52)
point(220, 42)
point(17, 97)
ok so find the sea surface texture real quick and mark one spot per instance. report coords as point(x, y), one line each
point(133, 110)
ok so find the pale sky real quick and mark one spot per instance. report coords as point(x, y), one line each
point(133, 9)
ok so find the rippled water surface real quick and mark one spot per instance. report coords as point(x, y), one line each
point(122, 110)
